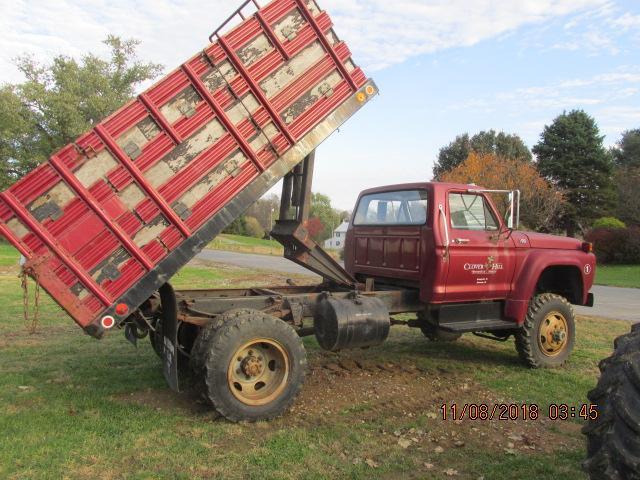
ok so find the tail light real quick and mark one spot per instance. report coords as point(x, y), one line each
point(108, 322)
point(587, 247)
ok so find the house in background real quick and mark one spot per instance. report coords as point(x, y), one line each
point(339, 235)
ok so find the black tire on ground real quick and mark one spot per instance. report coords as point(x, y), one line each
point(200, 350)
point(186, 337)
point(434, 333)
point(229, 353)
point(532, 344)
point(155, 337)
point(613, 438)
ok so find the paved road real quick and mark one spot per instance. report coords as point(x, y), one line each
point(611, 302)
point(250, 260)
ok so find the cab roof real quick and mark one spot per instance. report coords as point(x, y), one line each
point(420, 186)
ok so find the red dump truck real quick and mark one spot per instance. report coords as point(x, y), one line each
point(107, 222)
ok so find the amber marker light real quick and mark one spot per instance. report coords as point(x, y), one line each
point(587, 247)
point(370, 90)
point(361, 97)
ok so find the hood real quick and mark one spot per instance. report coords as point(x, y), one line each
point(542, 240)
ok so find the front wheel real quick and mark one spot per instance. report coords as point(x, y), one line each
point(548, 335)
point(255, 367)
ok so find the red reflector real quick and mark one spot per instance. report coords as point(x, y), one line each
point(587, 247)
point(122, 309)
point(108, 322)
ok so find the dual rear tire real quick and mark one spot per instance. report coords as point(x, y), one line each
point(249, 365)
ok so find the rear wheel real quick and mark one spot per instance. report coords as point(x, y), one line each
point(254, 367)
point(201, 348)
point(613, 438)
point(548, 335)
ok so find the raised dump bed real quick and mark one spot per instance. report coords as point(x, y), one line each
point(110, 218)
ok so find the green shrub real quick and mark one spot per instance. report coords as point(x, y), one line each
point(253, 228)
point(238, 227)
point(609, 222)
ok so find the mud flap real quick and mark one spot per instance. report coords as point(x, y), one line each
point(170, 335)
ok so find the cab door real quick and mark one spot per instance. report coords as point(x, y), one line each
point(481, 260)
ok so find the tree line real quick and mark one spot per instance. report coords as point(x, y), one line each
point(573, 184)
point(261, 216)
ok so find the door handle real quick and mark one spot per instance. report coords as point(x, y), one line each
point(461, 241)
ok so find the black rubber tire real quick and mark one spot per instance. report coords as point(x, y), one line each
point(155, 338)
point(613, 438)
point(434, 333)
point(222, 345)
point(201, 349)
point(527, 336)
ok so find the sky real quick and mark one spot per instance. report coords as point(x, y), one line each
point(444, 67)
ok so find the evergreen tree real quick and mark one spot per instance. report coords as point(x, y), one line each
point(571, 155)
point(627, 155)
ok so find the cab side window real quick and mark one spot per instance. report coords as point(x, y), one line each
point(471, 212)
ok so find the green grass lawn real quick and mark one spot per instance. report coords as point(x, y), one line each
point(239, 243)
point(8, 255)
point(618, 275)
point(73, 407)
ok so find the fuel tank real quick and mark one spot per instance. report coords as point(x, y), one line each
point(351, 323)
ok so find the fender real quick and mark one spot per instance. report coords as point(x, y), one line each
point(529, 270)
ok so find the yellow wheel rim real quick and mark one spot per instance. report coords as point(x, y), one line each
point(258, 372)
point(553, 336)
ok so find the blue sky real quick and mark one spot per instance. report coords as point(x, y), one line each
point(444, 67)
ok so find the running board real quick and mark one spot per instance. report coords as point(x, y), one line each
point(478, 326)
point(472, 317)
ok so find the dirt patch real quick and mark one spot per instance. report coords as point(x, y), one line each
point(400, 400)
point(347, 388)
point(188, 403)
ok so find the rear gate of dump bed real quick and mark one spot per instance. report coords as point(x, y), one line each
point(112, 216)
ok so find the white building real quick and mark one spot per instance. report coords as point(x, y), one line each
point(339, 236)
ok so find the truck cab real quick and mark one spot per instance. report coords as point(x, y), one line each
point(473, 270)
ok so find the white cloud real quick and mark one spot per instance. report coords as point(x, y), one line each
point(603, 30)
point(170, 32)
point(380, 32)
point(626, 21)
point(383, 33)
point(602, 89)
point(610, 97)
